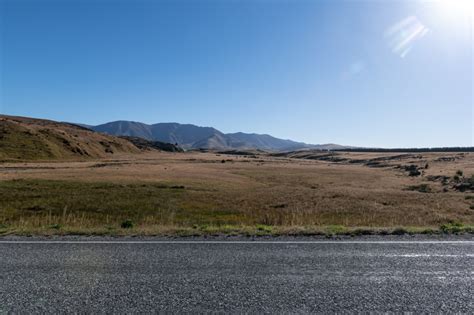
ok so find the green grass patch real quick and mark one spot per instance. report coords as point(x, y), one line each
point(455, 228)
point(335, 229)
point(42, 203)
point(264, 228)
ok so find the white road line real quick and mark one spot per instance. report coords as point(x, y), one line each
point(239, 242)
point(428, 255)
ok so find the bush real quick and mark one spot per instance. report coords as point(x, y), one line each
point(423, 188)
point(414, 173)
point(453, 227)
point(127, 224)
point(55, 226)
point(459, 173)
point(428, 231)
point(264, 228)
point(177, 187)
point(399, 231)
point(358, 232)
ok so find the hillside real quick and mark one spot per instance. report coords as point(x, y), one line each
point(37, 139)
point(194, 137)
point(147, 145)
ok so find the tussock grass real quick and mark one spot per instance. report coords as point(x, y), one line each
point(42, 203)
point(195, 194)
point(69, 207)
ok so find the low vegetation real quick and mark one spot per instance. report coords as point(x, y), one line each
point(196, 193)
point(61, 207)
point(423, 188)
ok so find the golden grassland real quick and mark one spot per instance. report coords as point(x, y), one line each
point(24, 138)
point(207, 193)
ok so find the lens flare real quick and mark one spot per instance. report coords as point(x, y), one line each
point(403, 35)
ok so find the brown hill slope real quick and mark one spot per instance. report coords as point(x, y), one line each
point(24, 138)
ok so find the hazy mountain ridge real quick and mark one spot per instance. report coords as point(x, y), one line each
point(195, 137)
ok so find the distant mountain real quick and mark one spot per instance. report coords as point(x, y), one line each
point(124, 128)
point(194, 137)
point(263, 142)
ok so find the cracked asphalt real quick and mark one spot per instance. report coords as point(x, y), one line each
point(293, 275)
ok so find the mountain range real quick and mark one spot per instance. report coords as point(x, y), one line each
point(190, 136)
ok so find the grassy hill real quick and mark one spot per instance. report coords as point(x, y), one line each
point(37, 139)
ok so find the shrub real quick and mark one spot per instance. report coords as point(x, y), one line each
point(358, 232)
point(414, 173)
point(264, 228)
point(399, 231)
point(452, 227)
point(412, 170)
point(177, 187)
point(280, 205)
point(459, 173)
point(428, 231)
point(127, 224)
point(423, 188)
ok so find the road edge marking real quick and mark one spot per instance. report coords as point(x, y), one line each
point(231, 242)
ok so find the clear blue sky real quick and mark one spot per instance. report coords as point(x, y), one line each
point(367, 73)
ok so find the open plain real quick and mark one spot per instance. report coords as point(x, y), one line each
point(195, 193)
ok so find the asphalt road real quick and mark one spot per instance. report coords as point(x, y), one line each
point(236, 277)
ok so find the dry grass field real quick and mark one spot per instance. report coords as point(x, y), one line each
point(205, 193)
point(23, 138)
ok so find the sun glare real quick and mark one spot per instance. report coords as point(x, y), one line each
point(456, 8)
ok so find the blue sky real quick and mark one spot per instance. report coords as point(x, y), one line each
point(365, 73)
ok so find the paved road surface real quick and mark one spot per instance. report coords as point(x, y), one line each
point(255, 277)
